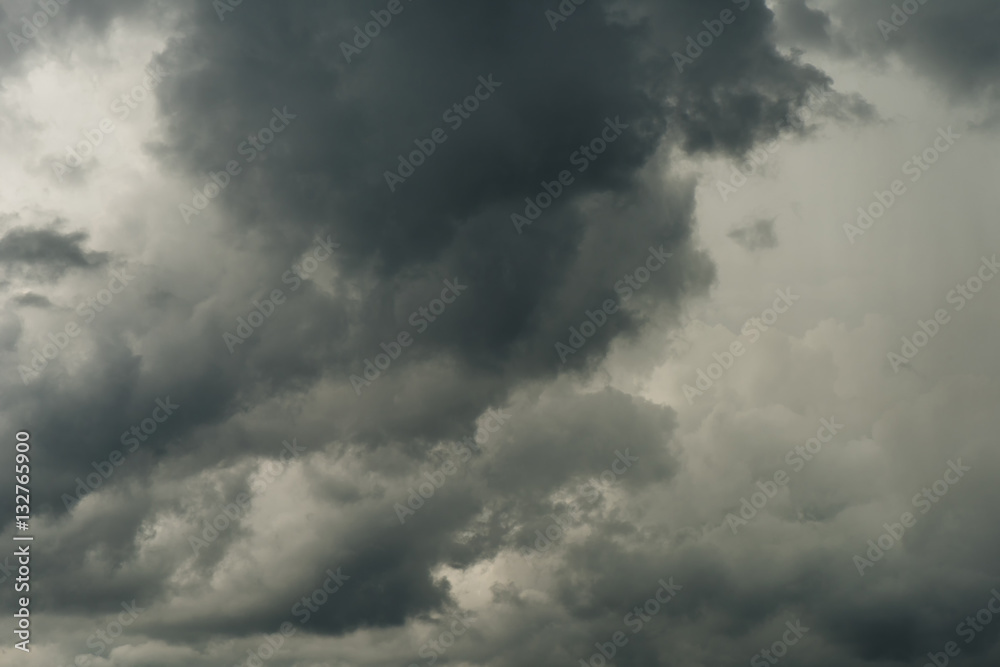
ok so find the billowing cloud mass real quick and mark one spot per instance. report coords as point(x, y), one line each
point(622, 332)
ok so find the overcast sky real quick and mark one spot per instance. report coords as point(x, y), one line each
point(505, 333)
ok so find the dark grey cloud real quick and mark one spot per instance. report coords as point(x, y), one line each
point(452, 217)
point(32, 300)
point(46, 254)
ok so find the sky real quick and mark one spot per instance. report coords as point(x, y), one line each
point(645, 333)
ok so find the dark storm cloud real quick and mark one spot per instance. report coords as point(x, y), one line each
point(735, 93)
point(46, 254)
point(451, 220)
point(756, 235)
point(32, 300)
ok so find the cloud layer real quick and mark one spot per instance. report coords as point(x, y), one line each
point(365, 320)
